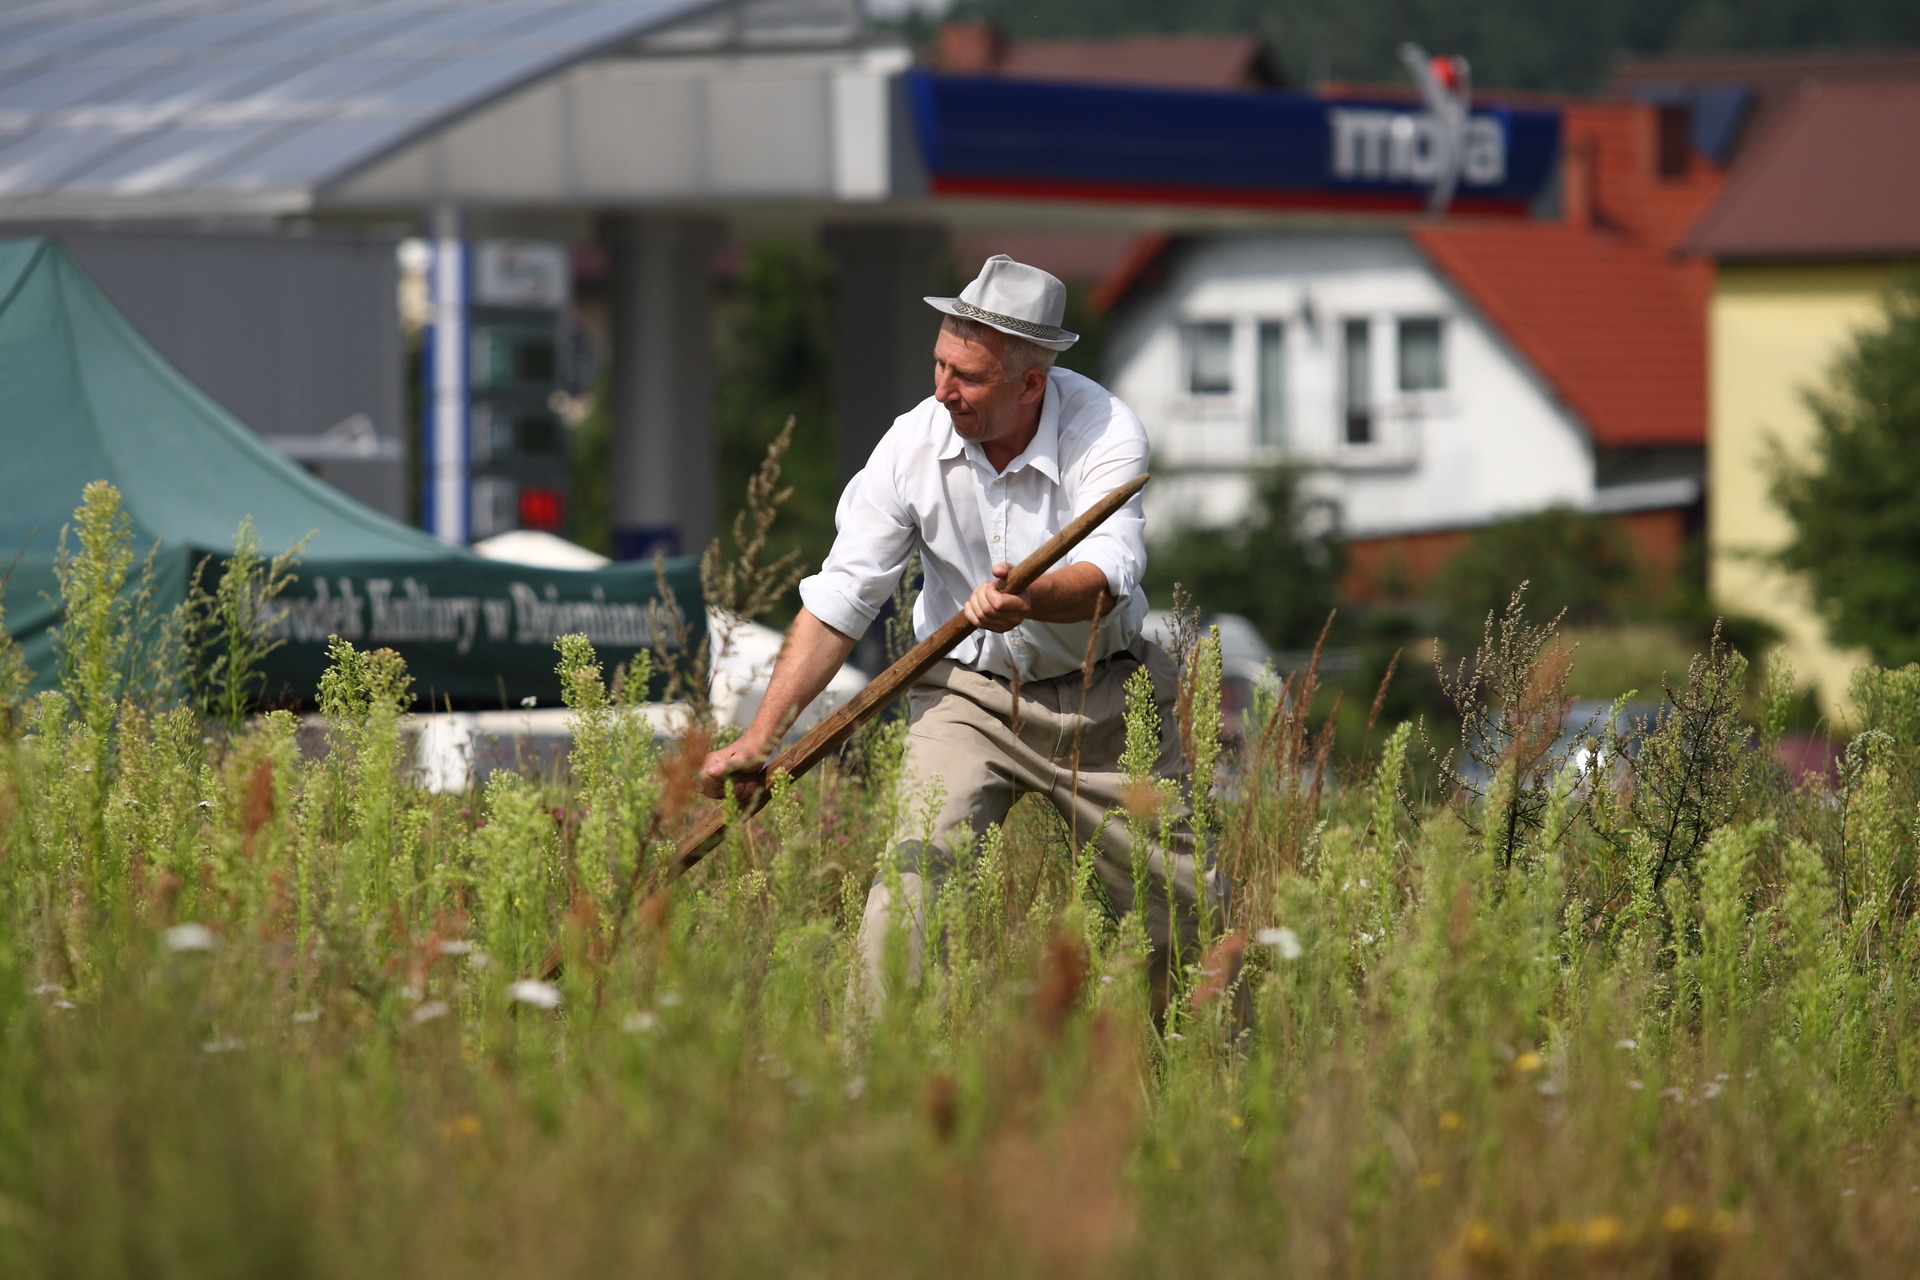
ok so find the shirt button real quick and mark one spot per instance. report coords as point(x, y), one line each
point(996, 537)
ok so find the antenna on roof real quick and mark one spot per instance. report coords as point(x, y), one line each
point(1446, 85)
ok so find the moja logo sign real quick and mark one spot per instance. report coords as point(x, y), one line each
point(1441, 148)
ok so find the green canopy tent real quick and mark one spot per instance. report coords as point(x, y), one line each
point(84, 397)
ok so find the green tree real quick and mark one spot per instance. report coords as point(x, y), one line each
point(776, 362)
point(1281, 568)
point(1572, 560)
point(1854, 499)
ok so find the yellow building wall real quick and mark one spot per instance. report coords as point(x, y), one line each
point(1775, 333)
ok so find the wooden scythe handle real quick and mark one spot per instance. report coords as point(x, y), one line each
point(863, 706)
point(827, 736)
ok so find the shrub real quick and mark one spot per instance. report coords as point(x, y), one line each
point(276, 1015)
point(1854, 500)
point(1280, 568)
point(1575, 565)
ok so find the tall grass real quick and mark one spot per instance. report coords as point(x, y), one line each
point(268, 1015)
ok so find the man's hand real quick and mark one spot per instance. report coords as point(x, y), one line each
point(812, 653)
point(742, 757)
point(993, 609)
point(1072, 594)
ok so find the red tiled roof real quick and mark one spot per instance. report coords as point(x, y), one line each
point(1175, 61)
point(1836, 175)
point(1612, 154)
point(1183, 61)
point(1597, 302)
point(1618, 328)
point(1773, 77)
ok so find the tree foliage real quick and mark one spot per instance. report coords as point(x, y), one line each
point(1854, 499)
point(1519, 44)
point(1572, 562)
point(776, 362)
point(1280, 568)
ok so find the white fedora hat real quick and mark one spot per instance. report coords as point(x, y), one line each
point(1014, 298)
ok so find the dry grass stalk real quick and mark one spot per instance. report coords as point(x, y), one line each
point(1272, 821)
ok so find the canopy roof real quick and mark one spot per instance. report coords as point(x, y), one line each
point(83, 397)
point(264, 101)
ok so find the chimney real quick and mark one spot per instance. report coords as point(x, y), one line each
point(969, 47)
point(1578, 183)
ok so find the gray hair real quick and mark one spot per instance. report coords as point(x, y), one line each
point(1017, 354)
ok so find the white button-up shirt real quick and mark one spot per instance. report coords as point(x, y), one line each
point(927, 490)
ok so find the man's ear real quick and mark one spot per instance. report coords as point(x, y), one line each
point(1033, 385)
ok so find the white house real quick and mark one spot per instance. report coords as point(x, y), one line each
point(1348, 354)
point(1432, 377)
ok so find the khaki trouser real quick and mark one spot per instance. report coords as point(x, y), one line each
point(962, 747)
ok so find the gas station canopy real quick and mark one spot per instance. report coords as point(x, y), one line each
point(270, 108)
point(258, 105)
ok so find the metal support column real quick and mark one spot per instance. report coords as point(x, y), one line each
point(664, 447)
point(883, 339)
point(444, 508)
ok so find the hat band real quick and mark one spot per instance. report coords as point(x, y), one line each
point(1049, 332)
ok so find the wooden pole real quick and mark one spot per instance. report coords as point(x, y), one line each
point(878, 694)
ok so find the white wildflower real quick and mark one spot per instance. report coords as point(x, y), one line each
point(49, 989)
point(541, 995)
point(1284, 941)
point(430, 1010)
point(854, 1088)
point(669, 999)
point(305, 1016)
point(223, 1044)
point(1628, 1043)
point(189, 937)
point(455, 947)
point(641, 1020)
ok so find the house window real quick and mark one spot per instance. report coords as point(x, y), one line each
point(1423, 365)
point(1273, 382)
point(1209, 358)
point(1357, 380)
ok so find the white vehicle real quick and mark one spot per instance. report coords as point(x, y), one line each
point(1246, 662)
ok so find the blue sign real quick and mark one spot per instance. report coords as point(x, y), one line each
point(988, 135)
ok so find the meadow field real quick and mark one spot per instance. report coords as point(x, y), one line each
point(1549, 1006)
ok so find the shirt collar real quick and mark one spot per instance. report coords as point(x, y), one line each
point(1042, 452)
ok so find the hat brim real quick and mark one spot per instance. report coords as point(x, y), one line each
point(1059, 340)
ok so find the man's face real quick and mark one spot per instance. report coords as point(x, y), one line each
point(969, 383)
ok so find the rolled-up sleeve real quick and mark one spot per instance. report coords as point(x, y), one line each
point(1118, 547)
point(873, 541)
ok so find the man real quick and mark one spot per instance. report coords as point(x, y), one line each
point(1001, 457)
